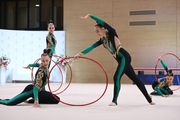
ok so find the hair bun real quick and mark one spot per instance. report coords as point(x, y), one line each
point(50, 21)
point(170, 71)
point(45, 51)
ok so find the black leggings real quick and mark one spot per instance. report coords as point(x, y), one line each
point(124, 67)
point(154, 84)
point(50, 57)
point(45, 97)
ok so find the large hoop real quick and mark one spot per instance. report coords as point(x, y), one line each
point(71, 78)
point(158, 63)
point(64, 59)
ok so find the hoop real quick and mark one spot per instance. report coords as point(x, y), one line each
point(64, 59)
point(71, 78)
point(158, 63)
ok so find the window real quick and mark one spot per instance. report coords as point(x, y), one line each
point(10, 15)
point(46, 14)
point(34, 14)
point(58, 13)
point(22, 15)
point(2, 14)
point(30, 14)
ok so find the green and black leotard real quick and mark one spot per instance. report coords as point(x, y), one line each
point(161, 86)
point(51, 43)
point(35, 91)
point(122, 57)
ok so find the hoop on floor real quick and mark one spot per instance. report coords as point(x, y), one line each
point(71, 79)
point(158, 63)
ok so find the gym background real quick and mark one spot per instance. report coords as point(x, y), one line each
point(147, 29)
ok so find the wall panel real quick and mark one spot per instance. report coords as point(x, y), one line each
point(144, 43)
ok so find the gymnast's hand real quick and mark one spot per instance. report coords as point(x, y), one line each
point(160, 58)
point(27, 67)
point(77, 56)
point(55, 55)
point(36, 104)
point(85, 17)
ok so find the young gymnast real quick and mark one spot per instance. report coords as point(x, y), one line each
point(36, 90)
point(51, 40)
point(110, 40)
point(161, 86)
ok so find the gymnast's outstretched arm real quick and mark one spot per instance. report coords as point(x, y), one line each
point(164, 65)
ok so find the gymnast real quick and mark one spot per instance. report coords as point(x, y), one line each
point(161, 86)
point(51, 40)
point(110, 40)
point(37, 89)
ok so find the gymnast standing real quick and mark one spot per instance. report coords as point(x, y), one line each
point(51, 40)
point(36, 90)
point(110, 40)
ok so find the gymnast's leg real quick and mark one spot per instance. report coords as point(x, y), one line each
point(131, 74)
point(122, 67)
point(24, 95)
point(154, 84)
point(50, 57)
point(46, 97)
point(117, 83)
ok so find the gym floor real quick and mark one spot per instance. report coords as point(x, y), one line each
point(131, 104)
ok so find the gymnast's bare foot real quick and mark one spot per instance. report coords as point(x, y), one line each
point(112, 104)
point(152, 103)
point(165, 95)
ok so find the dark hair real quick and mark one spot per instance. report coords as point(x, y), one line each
point(50, 23)
point(170, 73)
point(99, 25)
point(45, 53)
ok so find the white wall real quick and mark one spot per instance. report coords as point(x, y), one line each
point(24, 47)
